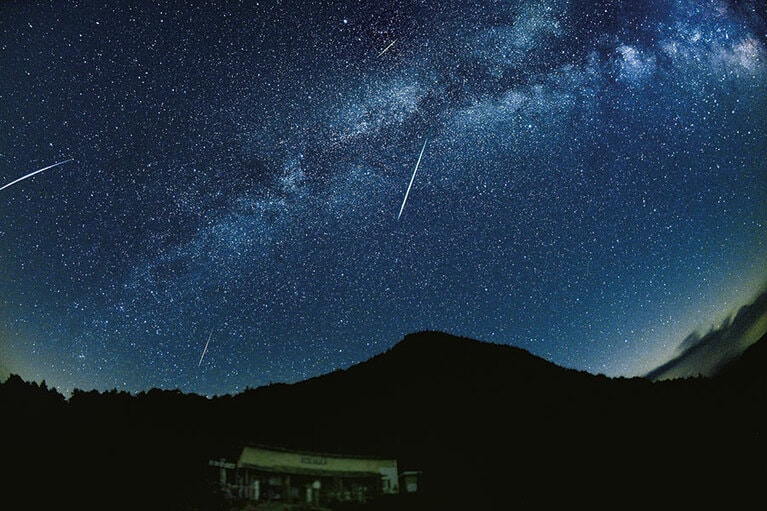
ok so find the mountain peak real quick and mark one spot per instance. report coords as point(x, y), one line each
point(442, 356)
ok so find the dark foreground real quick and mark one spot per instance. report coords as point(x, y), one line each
point(490, 427)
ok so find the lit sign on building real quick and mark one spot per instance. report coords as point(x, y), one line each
point(314, 460)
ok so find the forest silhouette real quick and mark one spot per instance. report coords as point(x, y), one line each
point(488, 426)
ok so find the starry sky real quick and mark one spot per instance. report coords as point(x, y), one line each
point(593, 184)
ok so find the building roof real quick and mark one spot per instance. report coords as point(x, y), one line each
point(300, 462)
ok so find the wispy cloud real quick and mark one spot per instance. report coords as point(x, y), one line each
point(705, 355)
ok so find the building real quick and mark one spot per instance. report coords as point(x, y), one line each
point(409, 481)
point(263, 474)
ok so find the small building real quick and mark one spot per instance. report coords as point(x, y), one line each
point(409, 481)
point(280, 475)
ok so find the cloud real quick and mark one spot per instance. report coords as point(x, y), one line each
point(705, 355)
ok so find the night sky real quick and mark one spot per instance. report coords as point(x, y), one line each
point(592, 188)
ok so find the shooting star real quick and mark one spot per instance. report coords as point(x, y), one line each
point(387, 48)
point(22, 178)
point(412, 178)
point(205, 349)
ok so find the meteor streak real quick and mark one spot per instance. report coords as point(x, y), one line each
point(22, 178)
point(387, 48)
point(412, 178)
point(205, 349)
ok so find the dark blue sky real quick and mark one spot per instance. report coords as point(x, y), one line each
point(593, 186)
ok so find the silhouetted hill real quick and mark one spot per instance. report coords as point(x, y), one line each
point(749, 367)
point(490, 426)
point(427, 380)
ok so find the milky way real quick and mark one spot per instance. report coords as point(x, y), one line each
point(593, 190)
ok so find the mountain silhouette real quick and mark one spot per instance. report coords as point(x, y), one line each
point(489, 426)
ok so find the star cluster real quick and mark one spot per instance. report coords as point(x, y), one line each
point(593, 187)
